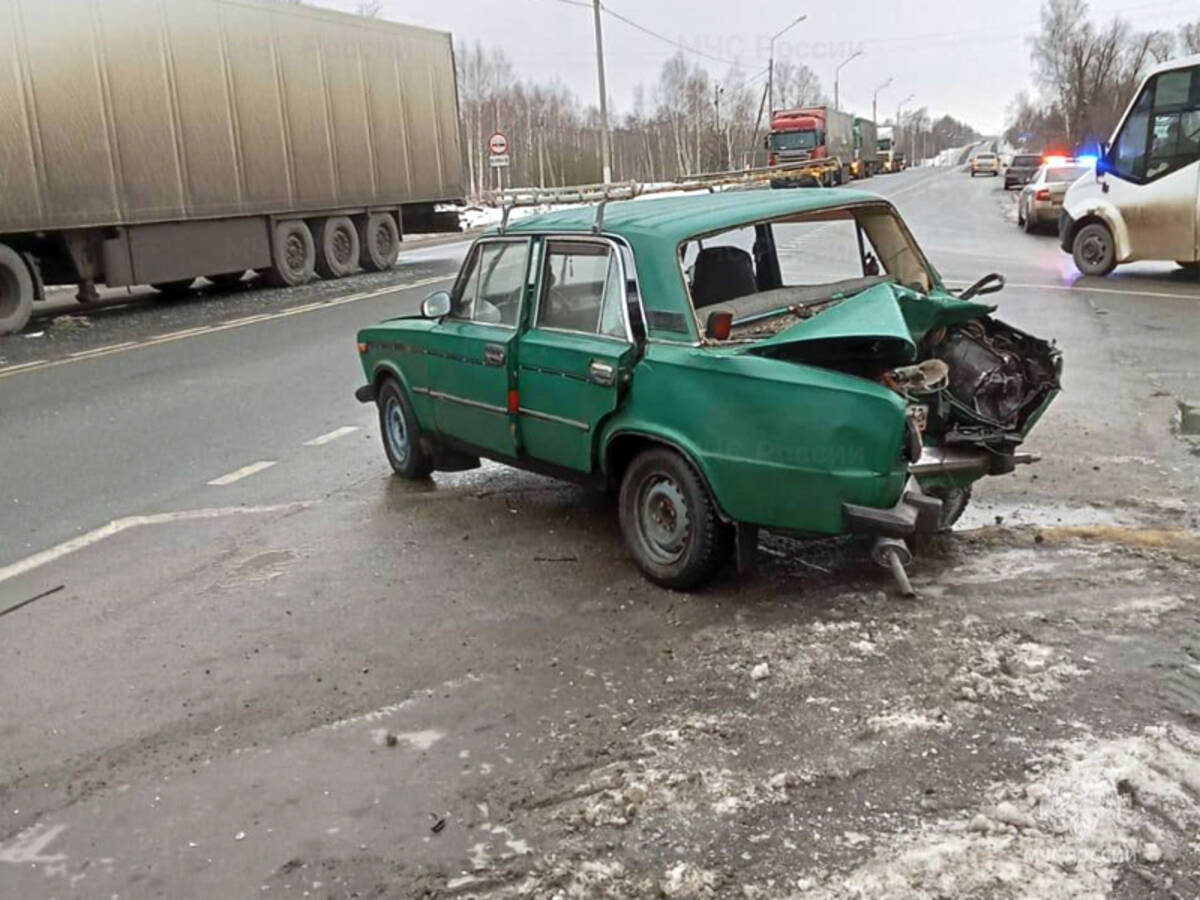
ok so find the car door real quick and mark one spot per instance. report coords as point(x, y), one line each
point(471, 354)
point(1154, 173)
point(576, 356)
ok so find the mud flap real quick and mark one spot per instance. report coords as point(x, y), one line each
point(747, 548)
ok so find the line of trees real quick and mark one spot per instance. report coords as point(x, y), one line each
point(1085, 74)
point(688, 121)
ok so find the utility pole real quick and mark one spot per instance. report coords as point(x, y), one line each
point(837, 74)
point(717, 92)
point(771, 66)
point(605, 149)
point(875, 101)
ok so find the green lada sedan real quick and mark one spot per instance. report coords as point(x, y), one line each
point(728, 362)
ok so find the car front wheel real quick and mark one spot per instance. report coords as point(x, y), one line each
point(401, 433)
point(670, 522)
point(1094, 250)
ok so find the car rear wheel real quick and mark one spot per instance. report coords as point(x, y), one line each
point(1190, 268)
point(670, 522)
point(1094, 250)
point(954, 504)
point(1028, 222)
point(401, 433)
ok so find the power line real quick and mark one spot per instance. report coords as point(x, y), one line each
point(654, 34)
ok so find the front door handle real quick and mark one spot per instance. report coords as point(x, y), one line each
point(494, 355)
point(602, 373)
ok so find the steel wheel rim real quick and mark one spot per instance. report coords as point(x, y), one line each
point(1094, 249)
point(397, 429)
point(296, 253)
point(343, 246)
point(383, 241)
point(664, 523)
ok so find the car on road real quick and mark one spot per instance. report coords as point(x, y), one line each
point(985, 164)
point(667, 348)
point(1041, 200)
point(1144, 201)
point(1021, 169)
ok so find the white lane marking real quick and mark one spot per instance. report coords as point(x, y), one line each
point(244, 472)
point(332, 436)
point(29, 847)
point(117, 526)
point(108, 349)
point(9, 371)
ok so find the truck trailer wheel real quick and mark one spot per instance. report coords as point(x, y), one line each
point(380, 242)
point(338, 247)
point(16, 291)
point(294, 254)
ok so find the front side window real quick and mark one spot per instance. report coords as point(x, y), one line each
point(1129, 154)
point(582, 289)
point(491, 292)
point(1175, 127)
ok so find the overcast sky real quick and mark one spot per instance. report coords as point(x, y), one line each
point(962, 57)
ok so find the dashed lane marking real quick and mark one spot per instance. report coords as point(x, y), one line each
point(242, 473)
point(117, 526)
point(10, 371)
point(334, 435)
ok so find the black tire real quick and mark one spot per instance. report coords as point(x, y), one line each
point(1030, 225)
point(227, 281)
point(16, 291)
point(1189, 268)
point(401, 433)
point(338, 247)
point(293, 254)
point(670, 523)
point(380, 240)
point(1094, 250)
point(1020, 214)
point(173, 290)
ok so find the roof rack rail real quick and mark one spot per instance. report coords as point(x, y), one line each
point(602, 194)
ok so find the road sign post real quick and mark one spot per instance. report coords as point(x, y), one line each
point(498, 153)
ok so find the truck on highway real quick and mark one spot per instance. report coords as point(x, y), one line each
point(159, 141)
point(1142, 201)
point(891, 159)
point(819, 135)
point(866, 148)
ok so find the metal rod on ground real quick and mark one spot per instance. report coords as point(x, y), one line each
point(605, 148)
point(898, 572)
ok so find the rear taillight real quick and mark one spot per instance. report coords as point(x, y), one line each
point(1042, 195)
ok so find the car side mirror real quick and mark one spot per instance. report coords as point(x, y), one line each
point(1103, 166)
point(436, 305)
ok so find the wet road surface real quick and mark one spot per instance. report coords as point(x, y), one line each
point(272, 669)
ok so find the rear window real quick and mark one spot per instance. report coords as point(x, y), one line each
point(1066, 173)
point(1026, 161)
point(986, 157)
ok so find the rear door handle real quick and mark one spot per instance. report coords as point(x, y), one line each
point(494, 355)
point(602, 373)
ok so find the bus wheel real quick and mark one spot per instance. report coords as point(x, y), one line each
point(1094, 250)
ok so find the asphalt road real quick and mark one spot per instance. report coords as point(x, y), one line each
point(234, 597)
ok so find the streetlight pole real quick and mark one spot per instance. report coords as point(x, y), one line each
point(837, 74)
point(605, 149)
point(771, 64)
point(875, 101)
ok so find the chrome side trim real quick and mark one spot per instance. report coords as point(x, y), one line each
point(461, 401)
point(557, 420)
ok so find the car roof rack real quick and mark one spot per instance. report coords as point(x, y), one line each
point(603, 194)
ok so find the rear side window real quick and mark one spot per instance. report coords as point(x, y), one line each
point(582, 289)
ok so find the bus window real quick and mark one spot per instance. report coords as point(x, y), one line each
point(1175, 130)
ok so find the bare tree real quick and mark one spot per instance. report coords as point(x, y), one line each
point(1189, 38)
